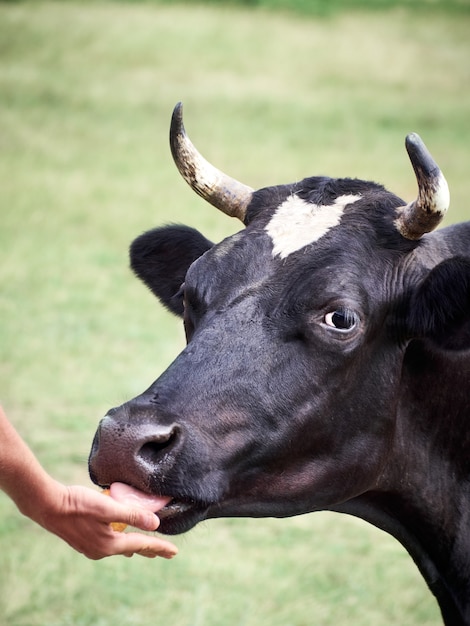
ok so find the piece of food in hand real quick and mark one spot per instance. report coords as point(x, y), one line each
point(118, 526)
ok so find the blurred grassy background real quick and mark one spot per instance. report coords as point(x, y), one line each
point(86, 93)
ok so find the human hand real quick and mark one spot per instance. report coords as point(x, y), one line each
point(82, 516)
point(79, 515)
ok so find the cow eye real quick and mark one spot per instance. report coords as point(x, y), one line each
point(342, 319)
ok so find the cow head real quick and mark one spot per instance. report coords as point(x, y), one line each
point(285, 399)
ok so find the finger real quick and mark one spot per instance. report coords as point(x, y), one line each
point(142, 519)
point(137, 517)
point(150, 547)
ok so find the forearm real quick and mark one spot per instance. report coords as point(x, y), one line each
point(21, 475)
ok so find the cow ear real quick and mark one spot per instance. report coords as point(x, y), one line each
point(161, 257)
point(440, 308)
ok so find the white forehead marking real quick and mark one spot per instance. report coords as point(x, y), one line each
point(297, 223)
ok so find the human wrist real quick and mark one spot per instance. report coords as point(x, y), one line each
point(39, 497)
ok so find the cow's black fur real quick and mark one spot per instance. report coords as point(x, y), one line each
point(272, 411)
point(440, 308)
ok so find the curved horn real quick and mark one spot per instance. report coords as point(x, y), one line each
point(425, 213)
point(225, 193)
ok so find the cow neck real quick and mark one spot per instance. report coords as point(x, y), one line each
point(423, 495)
point(444, 579)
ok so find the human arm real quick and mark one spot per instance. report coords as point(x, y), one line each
point(78, 515)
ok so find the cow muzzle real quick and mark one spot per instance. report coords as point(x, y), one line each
point(154, 458)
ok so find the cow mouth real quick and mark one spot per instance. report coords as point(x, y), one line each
point(174, 507)
point(176, 514)
point(180, 515)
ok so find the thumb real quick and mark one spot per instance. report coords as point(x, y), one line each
point(141, 518)
point(135, 516)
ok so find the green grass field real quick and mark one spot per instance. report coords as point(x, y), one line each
point(86, 93)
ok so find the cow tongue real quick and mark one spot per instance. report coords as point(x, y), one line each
point(133, 497)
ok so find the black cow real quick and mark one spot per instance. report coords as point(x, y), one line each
point(327, 365)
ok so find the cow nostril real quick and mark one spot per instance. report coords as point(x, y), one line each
point(151, 451)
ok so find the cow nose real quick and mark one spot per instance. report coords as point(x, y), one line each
point(128, 451)
point(156, 444)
